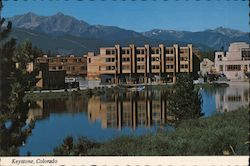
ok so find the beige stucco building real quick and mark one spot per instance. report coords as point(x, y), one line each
point(235, 63)
point(140, 64)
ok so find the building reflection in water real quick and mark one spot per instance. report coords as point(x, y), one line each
point(130, 109)
point(233, 97)
point(41, 109)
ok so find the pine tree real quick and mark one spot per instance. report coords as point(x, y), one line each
point(185, 102)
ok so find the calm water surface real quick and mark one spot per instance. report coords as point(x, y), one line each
point(107, 116)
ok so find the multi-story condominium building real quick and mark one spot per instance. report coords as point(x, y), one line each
point(140, 64)
point(235, 63)
point(74, 66)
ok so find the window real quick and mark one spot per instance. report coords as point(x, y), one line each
point(140, 59)
point(110, 67)
point(183, 51)
point(234, 98)
point(89, 60)
point(245, 53)
point(245, 67)
point(155, 58)
point(184, 66)
point(60, 67)
point(169, 58)
point(184, 58)
point(233, 67)
point(219, 57)
point(140, 67)
point(140, 51)
point(110, 59)
point(155, 67)
point(110, 52)
point(125, 67)
point(155, 51)
point(221, 68)
point(126, 59)
point(169, 51)
point(169, 66)
point(126, 51)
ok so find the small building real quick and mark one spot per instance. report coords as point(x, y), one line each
point(206, 67)
point(234, 64)
point(50, 79)
point(29, 66)
point(73, 65)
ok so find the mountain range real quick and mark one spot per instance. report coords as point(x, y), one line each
point(66, 35)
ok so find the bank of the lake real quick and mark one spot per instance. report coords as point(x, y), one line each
point(221, 134)
point(53, 94)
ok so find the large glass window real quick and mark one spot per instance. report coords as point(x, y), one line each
point(233, 67)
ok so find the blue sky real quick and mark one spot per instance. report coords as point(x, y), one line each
point(190, 15)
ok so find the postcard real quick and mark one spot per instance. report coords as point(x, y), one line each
point(124, 82)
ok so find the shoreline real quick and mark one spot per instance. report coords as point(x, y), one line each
point(63, 93)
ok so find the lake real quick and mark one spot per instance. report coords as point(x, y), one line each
point(110, 115)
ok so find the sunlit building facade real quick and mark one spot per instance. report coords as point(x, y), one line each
point(235, 63)
point(140, 64)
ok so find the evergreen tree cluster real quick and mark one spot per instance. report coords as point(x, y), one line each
point(13, 83)
point(186, 101)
